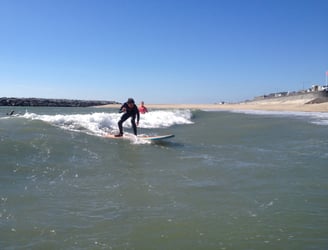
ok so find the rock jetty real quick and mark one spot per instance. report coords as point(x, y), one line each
point(4, 101)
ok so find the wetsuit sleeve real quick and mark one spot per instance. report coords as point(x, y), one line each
point(123, 106)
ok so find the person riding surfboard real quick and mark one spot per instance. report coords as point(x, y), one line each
point(130, 110)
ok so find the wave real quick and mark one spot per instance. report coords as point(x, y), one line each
point(313, 117)
point(102, 123)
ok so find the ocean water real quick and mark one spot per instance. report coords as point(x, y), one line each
point(227, 180)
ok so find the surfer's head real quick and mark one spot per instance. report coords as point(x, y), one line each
point(130, 100)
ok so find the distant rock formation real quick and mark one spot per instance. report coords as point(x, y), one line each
point(4, 101)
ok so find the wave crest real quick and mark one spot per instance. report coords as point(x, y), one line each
point(102, 123)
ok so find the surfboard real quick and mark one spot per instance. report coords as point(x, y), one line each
point(142, 137)
point(156, 137)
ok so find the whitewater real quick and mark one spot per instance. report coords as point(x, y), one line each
point(102, 123)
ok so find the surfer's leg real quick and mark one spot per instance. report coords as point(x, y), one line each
point(120, 123)
point(134, 126)
point(120, 127)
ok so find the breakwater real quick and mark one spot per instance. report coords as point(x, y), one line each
point(4, 101)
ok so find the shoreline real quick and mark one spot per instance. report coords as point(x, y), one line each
point(298, 107)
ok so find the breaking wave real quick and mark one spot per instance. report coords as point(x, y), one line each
point(102, 123)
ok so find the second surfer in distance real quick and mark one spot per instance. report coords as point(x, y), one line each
point(142, 108)
point(130, 110)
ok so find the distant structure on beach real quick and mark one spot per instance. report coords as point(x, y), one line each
point(317, 93)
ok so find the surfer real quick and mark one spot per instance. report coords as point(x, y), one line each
point(130, 110)
point(11, 113)
point(142, 108)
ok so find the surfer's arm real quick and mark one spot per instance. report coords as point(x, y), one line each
point(123, 108)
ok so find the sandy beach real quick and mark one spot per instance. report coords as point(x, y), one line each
point(266, 106)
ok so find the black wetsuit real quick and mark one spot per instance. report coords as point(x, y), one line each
point(129, 112)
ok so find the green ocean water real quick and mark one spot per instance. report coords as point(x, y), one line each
point(227, 180)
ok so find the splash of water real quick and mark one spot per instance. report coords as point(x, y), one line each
point(102, 123)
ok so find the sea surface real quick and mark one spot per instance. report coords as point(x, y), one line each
point(227, 180)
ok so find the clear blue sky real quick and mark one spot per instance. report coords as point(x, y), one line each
point(161, 51)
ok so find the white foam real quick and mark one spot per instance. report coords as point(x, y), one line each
point(165, 119)
point(102, 123)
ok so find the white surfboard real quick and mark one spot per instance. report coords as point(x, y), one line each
point(156, 137)
point(143, 137)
